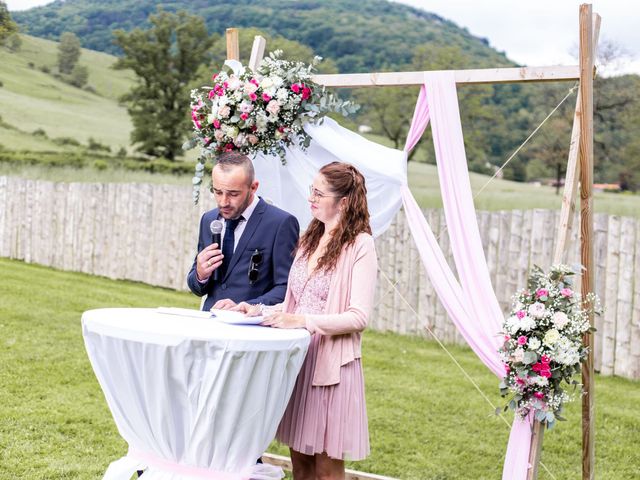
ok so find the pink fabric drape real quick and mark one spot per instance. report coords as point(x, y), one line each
point(470, 302)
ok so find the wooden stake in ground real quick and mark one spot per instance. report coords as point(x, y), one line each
point(586, 229)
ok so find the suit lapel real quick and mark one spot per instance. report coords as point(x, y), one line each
point(249, 230)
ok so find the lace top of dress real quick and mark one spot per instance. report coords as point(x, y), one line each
point(309, 292)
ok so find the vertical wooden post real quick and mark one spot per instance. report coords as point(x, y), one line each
point(257, 52)
point(573, 171)
point(586, 229)
point(233, 45)
point(536, 450)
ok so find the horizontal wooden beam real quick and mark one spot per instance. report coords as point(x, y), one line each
point(285, 463)
point(485, 75)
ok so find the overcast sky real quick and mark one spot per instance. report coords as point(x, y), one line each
point(536, 33)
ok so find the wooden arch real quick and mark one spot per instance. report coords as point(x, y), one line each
point(579, 173)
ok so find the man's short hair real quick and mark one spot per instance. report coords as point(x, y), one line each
point(229, 160)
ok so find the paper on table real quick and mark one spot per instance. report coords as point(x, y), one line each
point(238, 318)
point(185, 312)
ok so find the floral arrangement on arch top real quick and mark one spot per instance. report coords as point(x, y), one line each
point(262, 111)
point(543, 344)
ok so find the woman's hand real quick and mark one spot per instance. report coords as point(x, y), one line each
point(284, 320)
point(248, 309)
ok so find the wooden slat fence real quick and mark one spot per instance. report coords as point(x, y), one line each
point(148, 233)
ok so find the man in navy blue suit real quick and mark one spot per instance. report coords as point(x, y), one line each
point(258, 241)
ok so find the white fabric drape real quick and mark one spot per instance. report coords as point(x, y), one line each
point(287, 186)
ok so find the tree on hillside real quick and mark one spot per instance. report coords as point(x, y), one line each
point(7, 26)
point(165, 58)
point(68, 52)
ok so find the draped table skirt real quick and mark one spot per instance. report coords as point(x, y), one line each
point(193, 397)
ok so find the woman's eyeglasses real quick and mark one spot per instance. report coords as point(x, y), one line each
point(256, 260)
point(315, 194)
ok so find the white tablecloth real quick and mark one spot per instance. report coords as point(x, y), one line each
point(191, 396)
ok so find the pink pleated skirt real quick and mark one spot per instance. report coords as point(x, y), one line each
point(331, 419)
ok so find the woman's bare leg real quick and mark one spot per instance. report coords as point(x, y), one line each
point(304, 466)
point(328, 468)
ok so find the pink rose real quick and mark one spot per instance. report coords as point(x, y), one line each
point(295, 88)
point(216, 123)
point(218, 135)
point(273, 107)
point(213, 77)
point(211, 94)
point(507, 369)
point(253, 97)
point(228, 147)
point(224, 111)
point(522, 340)
point(244, 116)
point(521, 314)
point(542, 292)
point(254, 81)
point(538, 395)
point(194, 117)
point(266, 97)
point(252, 139)
point(545, 359)
point(306, 93)
point(566, 292)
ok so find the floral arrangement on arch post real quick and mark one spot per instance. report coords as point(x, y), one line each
point(262, 111)
point(543, 344)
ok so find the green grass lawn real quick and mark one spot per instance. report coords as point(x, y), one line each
point(426, 420)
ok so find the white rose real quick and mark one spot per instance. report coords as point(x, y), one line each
point(250, 88)
point(534, 343)
point(551, 337)
point(234, 83)
point(240, 140)
point(246, 107)
point(560, 319)
point(518, 354)
point(266, 83)
point(536, 310)
point(277, 81)
point(218, 135)
point(231, 132)
point(224, 111)
point(273, 107)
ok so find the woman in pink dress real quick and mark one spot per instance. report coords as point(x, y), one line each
point(330, 293)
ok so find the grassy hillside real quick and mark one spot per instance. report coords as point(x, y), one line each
point(31, 99)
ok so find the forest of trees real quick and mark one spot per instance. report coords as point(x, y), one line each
point(376, 35)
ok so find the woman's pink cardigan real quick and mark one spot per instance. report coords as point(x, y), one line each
point(349, 304)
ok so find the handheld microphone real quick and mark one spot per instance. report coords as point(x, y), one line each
point(216, 231)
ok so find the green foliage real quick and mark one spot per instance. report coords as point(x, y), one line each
point(97, 146)
point(426, 420)
point(68, 52)
point(79, 76)
point(14, 43)
point(376, 35)
point(7, 26)
point(165, 58)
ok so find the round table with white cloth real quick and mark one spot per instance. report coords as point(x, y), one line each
point(193, 397)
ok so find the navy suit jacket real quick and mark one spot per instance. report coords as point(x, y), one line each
point(271, 231)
